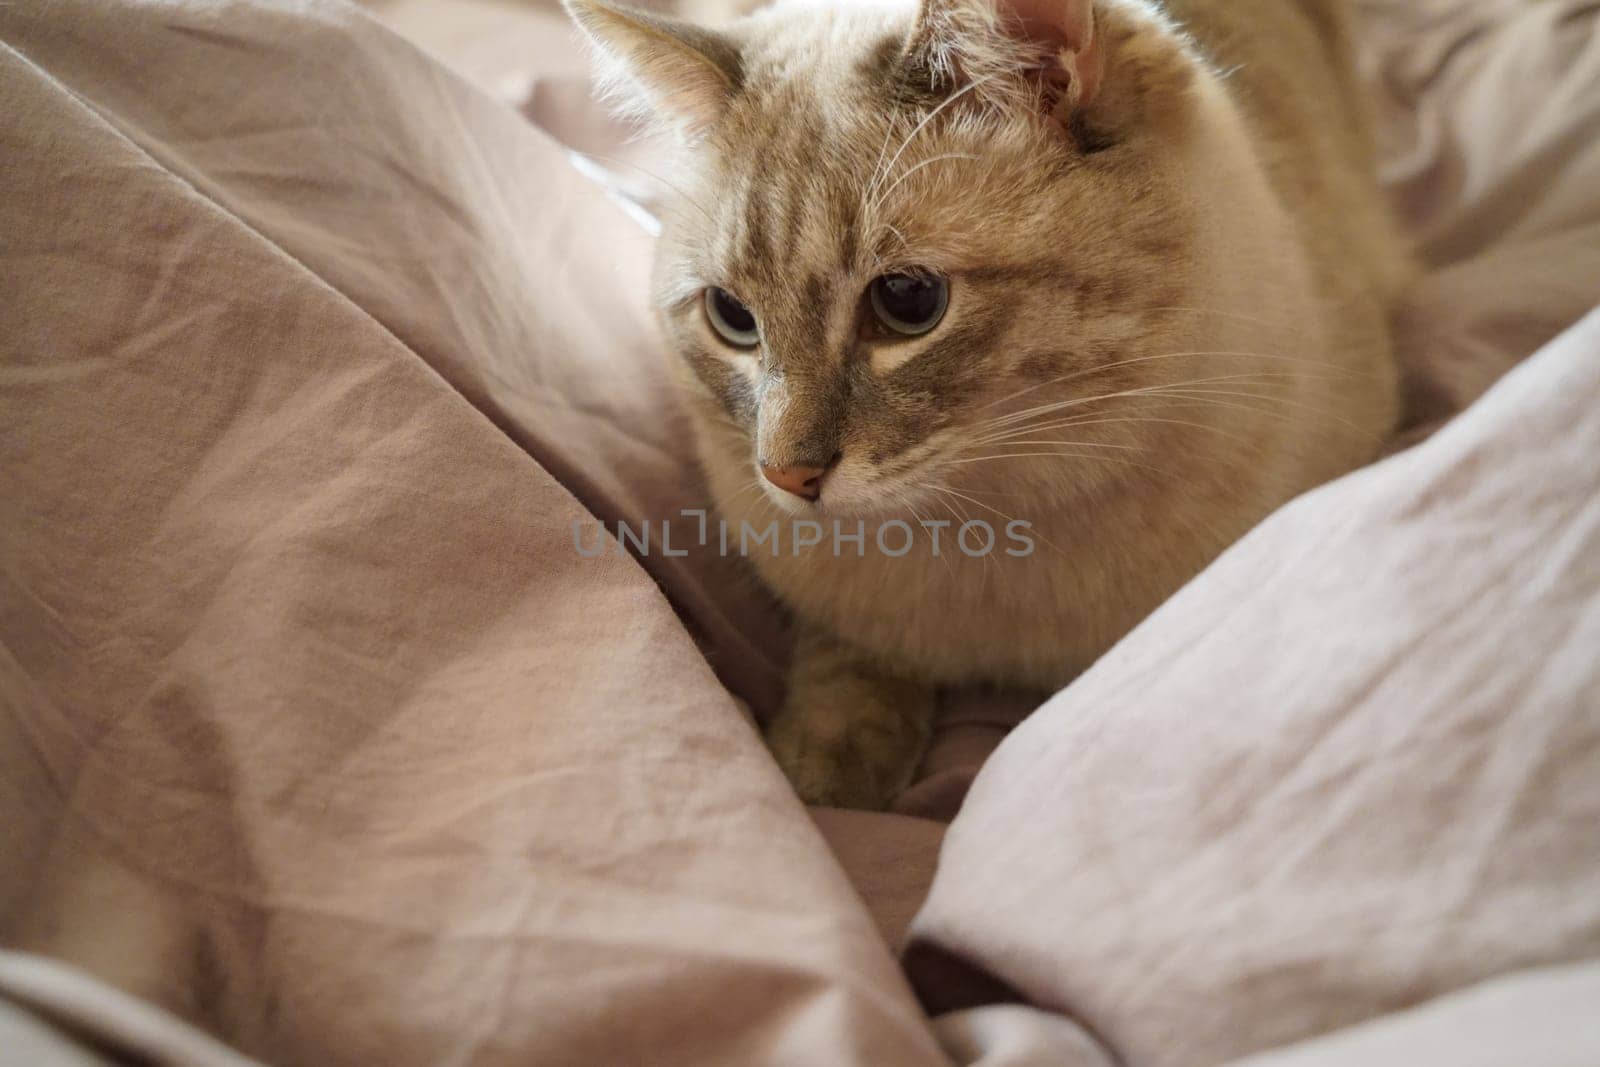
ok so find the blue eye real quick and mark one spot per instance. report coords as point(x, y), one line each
point(734, 323)
point(909, 304)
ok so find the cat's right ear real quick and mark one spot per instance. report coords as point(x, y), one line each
point(670, 71)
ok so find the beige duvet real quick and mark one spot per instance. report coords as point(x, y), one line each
point(321, 744)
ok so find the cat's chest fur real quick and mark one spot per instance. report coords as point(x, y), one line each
point(1029, 605)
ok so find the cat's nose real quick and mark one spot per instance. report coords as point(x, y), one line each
point(803, 482)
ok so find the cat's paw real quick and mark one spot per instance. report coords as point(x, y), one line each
point(835, 760)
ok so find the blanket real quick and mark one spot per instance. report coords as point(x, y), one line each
point(321, 742)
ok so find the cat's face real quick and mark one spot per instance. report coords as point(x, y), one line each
point(893, 240)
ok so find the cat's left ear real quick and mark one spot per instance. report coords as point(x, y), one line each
point(682, 74)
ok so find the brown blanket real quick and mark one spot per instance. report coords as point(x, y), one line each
point(317, 731)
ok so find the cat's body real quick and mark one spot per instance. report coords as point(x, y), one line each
point(1169, 274)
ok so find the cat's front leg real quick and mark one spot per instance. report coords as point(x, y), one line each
point(849, 735)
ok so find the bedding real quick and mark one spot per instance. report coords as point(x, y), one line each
point(321, 743)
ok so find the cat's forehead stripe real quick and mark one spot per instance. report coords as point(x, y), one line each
point(796, 207)
point(793, 203)
point(756, 248)
point(798, 198)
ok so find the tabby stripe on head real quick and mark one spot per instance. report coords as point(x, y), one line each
point(808, 141)
point(818, 298)
point(757, 253)
point(846, 220)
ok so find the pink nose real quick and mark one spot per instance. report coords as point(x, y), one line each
point(803, 482)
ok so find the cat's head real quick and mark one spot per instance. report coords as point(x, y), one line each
point(900, 226)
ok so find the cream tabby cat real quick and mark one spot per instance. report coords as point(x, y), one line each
point(1115, 268)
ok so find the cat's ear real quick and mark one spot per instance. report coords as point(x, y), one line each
point(1065, 31)
point(1095, 67)
point(1061, 42)
point(672, 71)
point(1059, 37)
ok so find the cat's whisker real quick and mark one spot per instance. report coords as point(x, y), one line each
point(905, 246)
point(984, 431)
point(1310, 409)
point(1021, 422)
point(754, 483)
point(883, 150)
point(1238, 316)
point(1125, 420)
point(975, 500)
point(1087, 371)
point(1021, 438)
point(990, 493)
point(954, 509)
point(871, 202)
point(1199, 400)
point(925, 163)
point(953, 506)
point(1061, 455)
point(1010, 520)
point(906, 502)
point(1062, 405)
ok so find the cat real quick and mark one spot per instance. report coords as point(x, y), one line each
point(1115, 270)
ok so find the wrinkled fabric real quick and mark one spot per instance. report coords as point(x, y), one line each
point(1543, 1016)
point(317, 730)
point(1350, 767)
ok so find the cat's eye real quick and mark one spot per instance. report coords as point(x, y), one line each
point(734, 323)
point(909, 304)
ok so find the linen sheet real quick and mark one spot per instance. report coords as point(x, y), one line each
point(318, 735)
